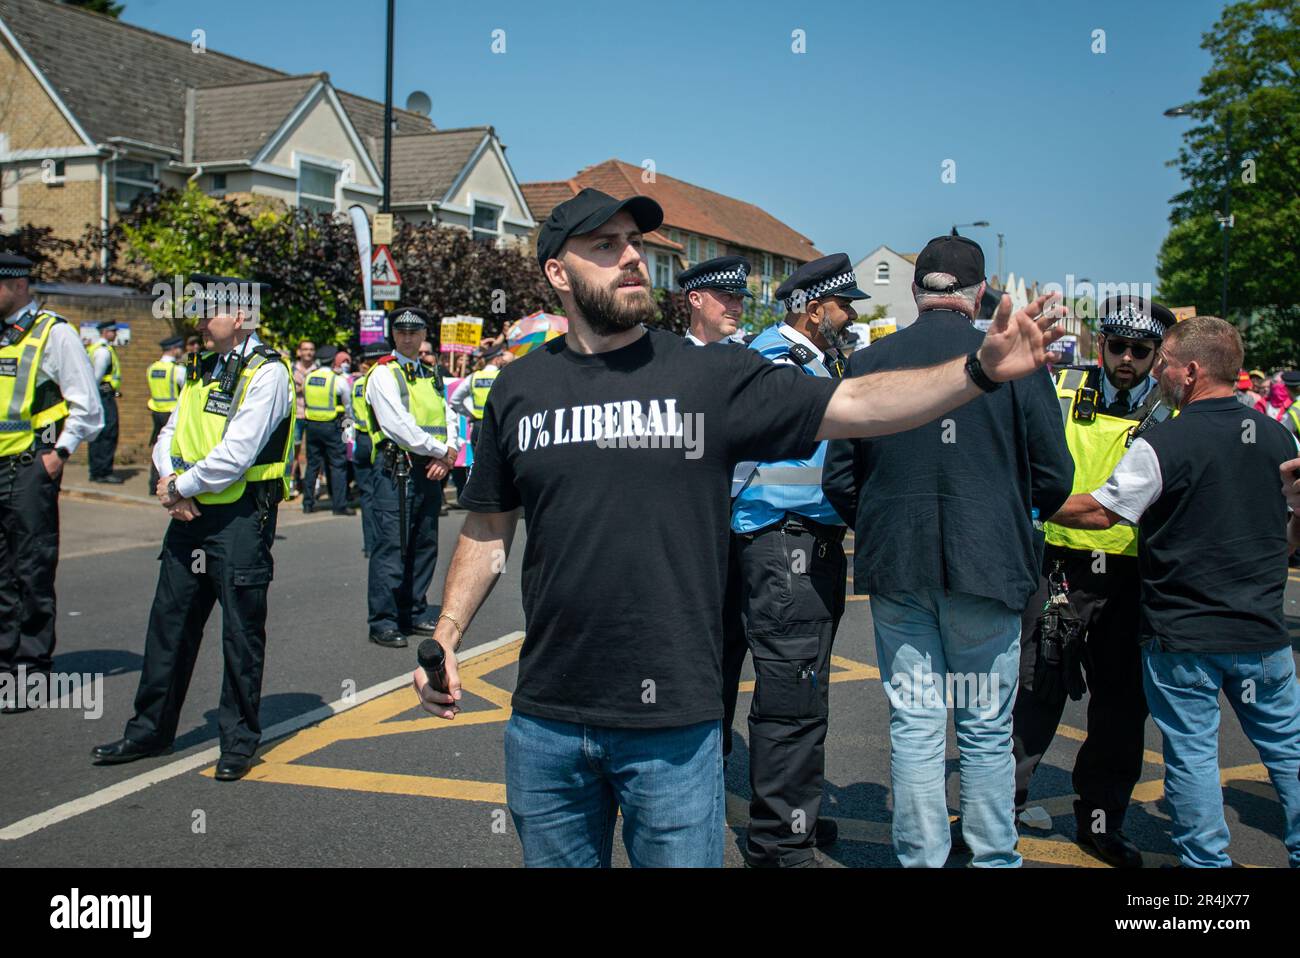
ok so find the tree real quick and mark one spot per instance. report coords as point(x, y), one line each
point(106, 7)
point(1253, 85)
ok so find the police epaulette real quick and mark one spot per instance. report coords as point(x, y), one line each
point(266, 352)
point(802, 354)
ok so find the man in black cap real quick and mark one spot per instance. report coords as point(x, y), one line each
point(222, 456)
point(327, 402)
point(715, 293)
point(598, 437)
point(49, 404)
point(165, 377)
point(1103, 408)
point(108, 374)
point(416, 443)
point(946, 548)
point(789, 543)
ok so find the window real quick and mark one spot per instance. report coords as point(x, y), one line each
point(787, 267)
point(882, 272)
point(218, 182)
point(675, 236)
point(693, 249)
point(132, 178)
point(487, 223)
point(713, 250)
point(767, 265)
point(663, 270)
point(316, 187)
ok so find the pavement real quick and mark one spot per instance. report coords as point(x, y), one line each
point(353, 773)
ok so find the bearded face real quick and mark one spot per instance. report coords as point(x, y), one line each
point(617, 307)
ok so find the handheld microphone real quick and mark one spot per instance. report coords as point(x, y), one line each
point(433, 660)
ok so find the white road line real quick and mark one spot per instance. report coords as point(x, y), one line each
point(105, 796)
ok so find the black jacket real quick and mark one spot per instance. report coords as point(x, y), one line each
point(948, 505)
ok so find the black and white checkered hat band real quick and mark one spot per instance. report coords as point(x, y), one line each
point(1132, 323)
point(9, 272)
point(797, 300)
point(731, 278)
point(239, 296)
point(408, 318)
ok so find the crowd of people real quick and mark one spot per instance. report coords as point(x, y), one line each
point(1025, 538)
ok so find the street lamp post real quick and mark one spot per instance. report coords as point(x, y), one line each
point(1225, 217)
point(388, 113)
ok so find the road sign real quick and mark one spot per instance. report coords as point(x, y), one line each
point(383, 228)
point(386, 281)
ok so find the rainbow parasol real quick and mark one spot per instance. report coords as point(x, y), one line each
point(525, 334)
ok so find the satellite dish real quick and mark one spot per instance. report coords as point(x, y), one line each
point(419, 102)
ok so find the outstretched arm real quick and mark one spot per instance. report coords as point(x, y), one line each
point(899, 399)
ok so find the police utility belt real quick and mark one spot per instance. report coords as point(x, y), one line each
point(801, 525)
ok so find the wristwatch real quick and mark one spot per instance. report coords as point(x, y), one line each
point(171, 488)
point(976, 372)
point(62, 453)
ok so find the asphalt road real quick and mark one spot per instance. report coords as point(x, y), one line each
point(381, 783)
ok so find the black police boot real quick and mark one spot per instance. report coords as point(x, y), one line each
point(125, 750)
point(1111, 846)
point(233, 767)
point(389, 639)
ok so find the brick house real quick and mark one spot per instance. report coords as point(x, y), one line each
point(699, 224)
point(83, 133)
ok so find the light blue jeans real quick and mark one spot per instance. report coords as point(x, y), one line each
point(937, 651)
point(1183, 695)
point(566, 783)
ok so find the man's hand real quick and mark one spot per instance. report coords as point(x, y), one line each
point(436, 470)
point(441, 704)
point(166, 498)
point(185, 510)
point(1016, 345)
point(1291, 483)
point(53, 464)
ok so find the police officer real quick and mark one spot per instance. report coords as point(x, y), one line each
point(1291, 415)
point(1104, 408)
point(222, 456)
point(715, 292)
point(362, 451)
point(49, 404)
point(469, 399)
point(166, 377)
point(327, 401)
point(108, 374)
point(793, 570)
point(415, 444)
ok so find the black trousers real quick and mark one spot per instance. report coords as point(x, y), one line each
point(734, 644)
point(1109, 762)
point(397, 587)
point(102, 448)
point(364, 472)
point(222, 556)
point(29, 556)
point(793, 598)
point(325, 453)
point(159, 420)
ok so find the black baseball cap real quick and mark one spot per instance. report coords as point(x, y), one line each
point(957, 255)
point(589, 210)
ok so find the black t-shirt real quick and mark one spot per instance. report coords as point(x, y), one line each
point(622, 463)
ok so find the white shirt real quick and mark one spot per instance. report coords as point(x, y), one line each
point(64, 361)
point(265, 404)
point(102, 360)
point(178, 373)
point(695, 340)
point(1135, 395)
point(385, 401)
point(462, 397)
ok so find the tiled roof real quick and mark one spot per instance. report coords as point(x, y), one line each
point(236, 121)
point(687, 207)
point(426, 164)
point(139, 91)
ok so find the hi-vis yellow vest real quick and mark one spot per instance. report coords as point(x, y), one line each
point(481, 383)
point(422, 398)
point(114, 375)
point(1096, 447)
point(360, 411)
point(319, 398)
point(201, 421)
point(163, 392)
point(21, 417)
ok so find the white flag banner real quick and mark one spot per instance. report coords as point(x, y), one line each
point(361, 227)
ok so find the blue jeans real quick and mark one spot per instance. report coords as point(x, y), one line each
point(566, 783)
point(939, 650)
point(1183, 695)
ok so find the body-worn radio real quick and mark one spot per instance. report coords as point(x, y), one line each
point(1085, 404)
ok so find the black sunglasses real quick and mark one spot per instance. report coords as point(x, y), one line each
point(1118, 347)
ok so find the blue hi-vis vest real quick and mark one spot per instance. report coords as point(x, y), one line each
point(791, 485)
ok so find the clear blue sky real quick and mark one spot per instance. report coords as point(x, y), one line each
point(1061, 149)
